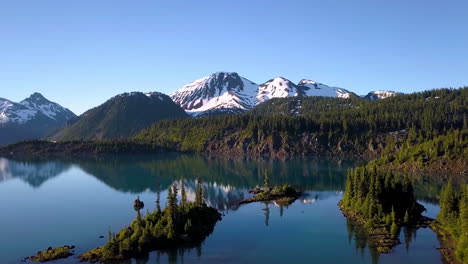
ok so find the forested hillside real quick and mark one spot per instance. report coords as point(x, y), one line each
point(121, 117)
point(443, 153)
point(318, 125)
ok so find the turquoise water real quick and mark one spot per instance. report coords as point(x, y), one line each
point(56, 202)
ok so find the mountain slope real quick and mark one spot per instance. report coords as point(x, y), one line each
point(224, 92)
point(217, 93)
point(278, 87)
point(122, 116)
point(311, 88)
point(32, 118)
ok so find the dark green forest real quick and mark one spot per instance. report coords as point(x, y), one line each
point(320, 126)
point(453, 217)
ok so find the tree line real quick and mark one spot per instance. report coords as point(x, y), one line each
point(331, 121)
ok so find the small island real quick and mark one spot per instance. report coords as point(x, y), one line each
point(178, 225)
point(381, 202)
point(52, 254)
point(282, 194)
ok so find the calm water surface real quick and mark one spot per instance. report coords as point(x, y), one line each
point(56, 202)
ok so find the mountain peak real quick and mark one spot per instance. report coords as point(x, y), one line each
point(36, 97)
point(219, 91)
point(223, 73)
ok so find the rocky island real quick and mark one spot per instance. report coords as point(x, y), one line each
point(282, 194)
point(52, 254)
point(181, 224)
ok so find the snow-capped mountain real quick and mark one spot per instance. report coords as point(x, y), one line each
point(11, 112)
point(30, 108)
point(225, 92)
point(376, 95)
point(34, 117)
point(221, 91)
point(50, 109)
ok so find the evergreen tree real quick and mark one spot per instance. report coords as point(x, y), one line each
point(199, 194)
point(174, 199)
point(158, 197)
point(183, 195)
point(266, 184)
point(406, 219)
point(394, 229)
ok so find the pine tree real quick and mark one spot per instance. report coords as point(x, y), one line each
point(174, 199)
point(170, 228)
point(393, 215)
point(447, 205)
point(109, 234)
point(198, 194)
point(394, 229)
point(266, 183)
point(183, 195)
point(170, 202)
point(407, 217)
point(158, 198)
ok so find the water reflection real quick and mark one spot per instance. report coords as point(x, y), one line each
point(225, 181)
point(138, 173)
point(34, 172)
point(357, 235)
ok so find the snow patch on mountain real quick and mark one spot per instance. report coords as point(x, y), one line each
point(312, 88)
point(376, 95)
point(15, 112)
point(278, 87)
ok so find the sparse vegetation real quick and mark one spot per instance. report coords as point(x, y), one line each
point(53, 254)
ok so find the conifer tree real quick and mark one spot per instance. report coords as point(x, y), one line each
point(266, 183)
point(183, 195)
point(406, 219)
point(199, 194)
point(158, 198)
point(174, 198)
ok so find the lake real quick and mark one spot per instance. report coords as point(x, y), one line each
point(55, 202)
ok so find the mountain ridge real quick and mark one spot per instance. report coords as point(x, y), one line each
point(228, 92)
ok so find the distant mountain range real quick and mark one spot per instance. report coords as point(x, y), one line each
point(128, 113)
point(34, 117)
point(227, 92)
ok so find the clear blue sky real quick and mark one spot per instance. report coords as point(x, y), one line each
point(80, 53)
